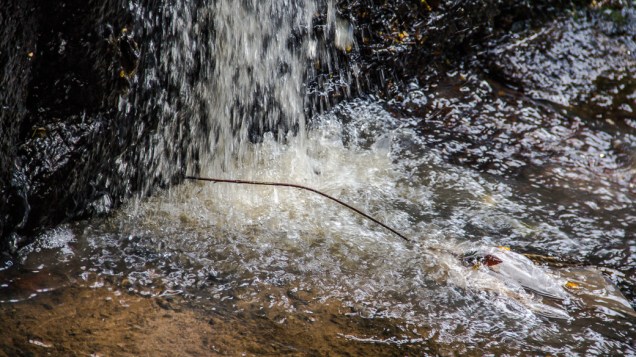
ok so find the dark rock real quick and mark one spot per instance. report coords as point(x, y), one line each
point(570, 62)
point(68, 100)
point(550, 111)
point(395, 40)
point(76, 125)
point(129, 54)
point(17, 43)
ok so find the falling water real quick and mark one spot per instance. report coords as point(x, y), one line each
point(232, 71)
point(244, 250)
point(257, 76)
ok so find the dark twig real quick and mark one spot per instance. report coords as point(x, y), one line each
point(280, 184)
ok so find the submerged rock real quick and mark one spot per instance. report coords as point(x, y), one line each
point(394, 40)
point(584, 65)
point(562, 291)
point(549, 110)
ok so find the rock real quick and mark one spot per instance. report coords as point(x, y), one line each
point(557, 287)
point(17, 41)
point(72, 141)
point(585, 61)
point(395, 40)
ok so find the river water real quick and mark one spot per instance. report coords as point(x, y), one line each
point(460, 164)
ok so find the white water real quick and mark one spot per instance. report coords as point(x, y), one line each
point(251, 59)
point(258, 73)
point(256, 237)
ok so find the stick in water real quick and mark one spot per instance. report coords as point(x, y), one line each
point(280, 184)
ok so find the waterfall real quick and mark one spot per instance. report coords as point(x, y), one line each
point(225, 73)
point(260, 51)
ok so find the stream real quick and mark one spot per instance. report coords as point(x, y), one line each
point(460, 161)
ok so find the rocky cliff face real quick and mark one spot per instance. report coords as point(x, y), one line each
point(17, 39)
point(92, 111)
point(67, 67)
point(75, 121)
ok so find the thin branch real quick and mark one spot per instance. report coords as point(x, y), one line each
point(281, 184)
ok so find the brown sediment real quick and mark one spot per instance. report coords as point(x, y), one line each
point(303, 326)
point(84, 321)
point(106, 319)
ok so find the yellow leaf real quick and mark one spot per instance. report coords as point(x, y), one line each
point(572, 285)
point(428, 7)
point(489, 200)
point(504, 248)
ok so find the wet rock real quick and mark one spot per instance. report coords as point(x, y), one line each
point(587, 60)
point(397, 39)
point(17, 41)
point(129, 54)
point(62, 95)
point(95, 321)
point(556, 97)
point(72, 142)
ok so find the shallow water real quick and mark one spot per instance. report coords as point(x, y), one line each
point(281, 253)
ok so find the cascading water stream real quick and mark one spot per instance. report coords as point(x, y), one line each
point(257, 75)
point(252, 60)
point(255, 241)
